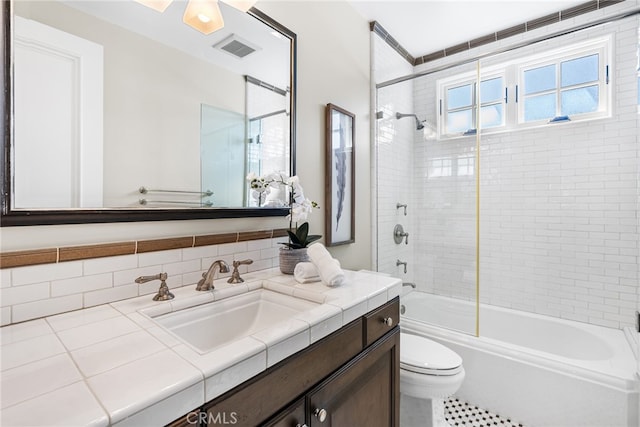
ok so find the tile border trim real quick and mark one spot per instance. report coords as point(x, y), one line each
point(540, 22)
point(74, 253)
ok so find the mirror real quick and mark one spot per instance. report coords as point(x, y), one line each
point(140, 117)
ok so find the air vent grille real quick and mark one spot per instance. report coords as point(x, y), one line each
point(236, 46)
point(238, 49)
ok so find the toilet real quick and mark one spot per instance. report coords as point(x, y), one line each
point(429, 374)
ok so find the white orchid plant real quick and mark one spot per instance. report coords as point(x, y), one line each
point(299, 206)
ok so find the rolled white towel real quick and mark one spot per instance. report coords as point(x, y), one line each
point(328, 267)
point(306, 272)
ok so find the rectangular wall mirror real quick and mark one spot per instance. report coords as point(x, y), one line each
point(114, 111)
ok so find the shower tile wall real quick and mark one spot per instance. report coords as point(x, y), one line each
point(559, 206)
point(393, 171)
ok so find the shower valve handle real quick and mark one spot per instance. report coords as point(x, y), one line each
point(399, 233)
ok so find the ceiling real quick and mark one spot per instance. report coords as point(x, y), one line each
point(270, 61)
point(425, 26)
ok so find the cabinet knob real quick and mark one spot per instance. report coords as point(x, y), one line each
point(321, 414)
point(301, 425)
point(388, 321)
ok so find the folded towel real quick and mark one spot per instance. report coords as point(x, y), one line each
point(328, 267)
point(306, 272)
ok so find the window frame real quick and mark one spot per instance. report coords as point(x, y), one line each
point(512, 73)
point(601, 47)
point(469, 78)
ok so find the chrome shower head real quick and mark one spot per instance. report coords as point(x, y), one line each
point(419, 125)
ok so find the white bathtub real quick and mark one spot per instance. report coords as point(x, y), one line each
point(538, 370)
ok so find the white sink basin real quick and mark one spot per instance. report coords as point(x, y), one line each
point(211, 325)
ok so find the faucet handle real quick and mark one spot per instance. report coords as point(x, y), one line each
point(235, 276)
point(163, 292)
point(244, 261)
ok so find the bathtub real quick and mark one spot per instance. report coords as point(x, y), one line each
point(536, 370)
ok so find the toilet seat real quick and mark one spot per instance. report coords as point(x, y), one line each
point(423, 356)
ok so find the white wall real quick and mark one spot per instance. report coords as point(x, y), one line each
point(333, 67)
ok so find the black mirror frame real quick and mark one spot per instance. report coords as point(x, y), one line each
point(9, 217)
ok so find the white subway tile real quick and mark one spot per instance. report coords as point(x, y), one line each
point(81, 284)
point(36, 309)
point(46, 272)
point(5, 316)
point(5, 277)
point(110, 295)
point(110, 264)
point(22, 294)
point(159, 258)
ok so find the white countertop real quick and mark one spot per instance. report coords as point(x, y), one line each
point(112, 365)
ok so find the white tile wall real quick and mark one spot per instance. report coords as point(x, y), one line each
point(42, 290)
point(393, 176)
point(559, 208)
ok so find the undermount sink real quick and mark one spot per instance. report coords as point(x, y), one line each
point(217, 323)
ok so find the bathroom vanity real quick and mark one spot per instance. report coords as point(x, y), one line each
point(349, 378)
point(333, 362)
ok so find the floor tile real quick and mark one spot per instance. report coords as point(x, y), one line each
point(459, 413)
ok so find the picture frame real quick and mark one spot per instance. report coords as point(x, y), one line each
point(340, 176)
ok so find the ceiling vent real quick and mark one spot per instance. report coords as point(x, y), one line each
point(236, 46)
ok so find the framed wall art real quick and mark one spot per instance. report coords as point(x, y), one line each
point(340, 176)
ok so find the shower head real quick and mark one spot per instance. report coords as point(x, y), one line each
point(419, 125)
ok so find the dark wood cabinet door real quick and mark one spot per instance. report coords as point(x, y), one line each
point(363, 393)
point(293, 416)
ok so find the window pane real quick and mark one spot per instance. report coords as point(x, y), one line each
point(579, 70)
point(491, 90)
point(460, 121)
point(491, 116)
point(581, 100)
point(540, 79)
point(458, 97)
point(540, 107)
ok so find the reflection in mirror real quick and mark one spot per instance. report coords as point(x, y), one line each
point(268, 148)
point(222, 154)
point(125, 97)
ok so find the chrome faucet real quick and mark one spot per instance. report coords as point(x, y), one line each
point(413, 285)
point(206, 283)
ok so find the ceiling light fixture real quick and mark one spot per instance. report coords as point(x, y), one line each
point(202, 15)
point(159, 5)
point(241, 5)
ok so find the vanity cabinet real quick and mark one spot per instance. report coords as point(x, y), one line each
point(349, 378)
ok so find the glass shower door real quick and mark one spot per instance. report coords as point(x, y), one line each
point(433, 157)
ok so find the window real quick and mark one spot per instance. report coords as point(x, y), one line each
point(563, 89)
point(566, 84)
point(461, 105)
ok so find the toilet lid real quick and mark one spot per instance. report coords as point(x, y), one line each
point(421, 355)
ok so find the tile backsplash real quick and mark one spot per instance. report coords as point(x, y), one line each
point(33, 291)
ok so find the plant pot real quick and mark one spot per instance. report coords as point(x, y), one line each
point(290, 257)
